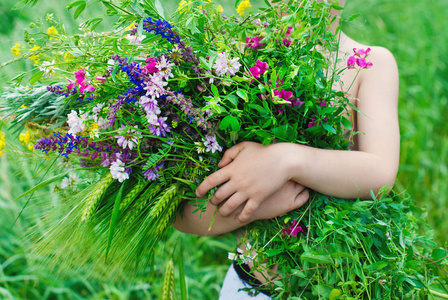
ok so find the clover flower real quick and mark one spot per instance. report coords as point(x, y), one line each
point(70, 181)
point(153, 174)
point(118, 171)
point(129, 139)
point(48, 68)
point(211, 145)
point(224, 66)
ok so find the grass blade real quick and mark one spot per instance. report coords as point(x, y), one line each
point(113, 219)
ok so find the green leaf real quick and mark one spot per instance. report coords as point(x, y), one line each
point(43, 184)
point(347, 124)
point(257, 107)
point(75, 3)
point(329, 128)
point(438, 254)
point(183, 283)
point(214, 90)
point(355, 16)
point(225, 123)
point(334, 293)
point(36, 77)
point(315, 258)
point(114, 218)
point(79, 10)
point(242, 94)
point(376, 266)
point(235, 124)
point(159, 8)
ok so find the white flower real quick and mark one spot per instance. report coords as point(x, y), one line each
point(69, 181)
point(118, 171)
point(48, 68)
point(135, 39)
point(128, 139)
point(164, 67)
point(111, 62)
point(76, 123)
point(154, 87)
point(211, 144)
point(224, 66)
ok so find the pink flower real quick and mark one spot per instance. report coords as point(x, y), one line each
point(285, 95)
point(359, 59)
point(80, 76)
point(71, 85)
point(254, 42)
point(101, 79)
point(289, 31)
point(351, 62)
point(287, 42)
point(294, 229)
point(361, 52)
point(85, 87)
point(362, 63)
point(256, 22)
point(259, 68)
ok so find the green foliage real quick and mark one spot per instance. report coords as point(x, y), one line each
point(364, 250)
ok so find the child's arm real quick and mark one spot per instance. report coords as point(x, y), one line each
point(250, 172)
point(289, 197)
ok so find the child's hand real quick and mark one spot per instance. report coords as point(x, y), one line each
point(249, 174)
point(291, 196)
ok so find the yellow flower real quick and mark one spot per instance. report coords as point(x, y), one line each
point(52, 31)
point(201, 7)
point(243, 7)
point(35, 47)
point(219, 9)
point(31, 147)
point(132, 26)
point(68, 56)
point(183, 3)
point(25, 138)
point(34, 58)
point(16, 49)
point(2, 143)
point(23, 106)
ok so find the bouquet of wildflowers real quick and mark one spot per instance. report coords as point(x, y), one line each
point(147, 110)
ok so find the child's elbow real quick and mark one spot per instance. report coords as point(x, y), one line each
point(385, 181)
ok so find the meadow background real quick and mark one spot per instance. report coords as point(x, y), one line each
point(415, 32)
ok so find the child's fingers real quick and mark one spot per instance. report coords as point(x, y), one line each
point(222, 193)
point(250, 207)
point(230, 155)
point(229, 206)
point(217, 178)
point(301, 199)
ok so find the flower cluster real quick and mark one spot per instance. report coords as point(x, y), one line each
point(359, 59)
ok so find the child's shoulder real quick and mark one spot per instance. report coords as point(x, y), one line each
point(376, 54)
point(383, 61)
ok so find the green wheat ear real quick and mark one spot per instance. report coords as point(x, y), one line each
point(141, 202)
point(165, 207)
point(168, 282)
point(136, 190)
point(94, 199)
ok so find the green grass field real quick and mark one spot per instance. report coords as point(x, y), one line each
point(416, 35)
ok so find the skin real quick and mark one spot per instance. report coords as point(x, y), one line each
point(260, 182)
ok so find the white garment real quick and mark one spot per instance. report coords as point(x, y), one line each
point(231, 286)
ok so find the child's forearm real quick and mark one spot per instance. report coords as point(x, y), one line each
point(199, 224)
point(345, 174)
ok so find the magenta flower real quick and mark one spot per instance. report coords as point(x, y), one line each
point(351, 62)
point(101, 79)
point(151, 65)
point(254, 43)
point(294, 229)
point(71, 85)
point(287, 42)
point(259, 68)
point(359, 59)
